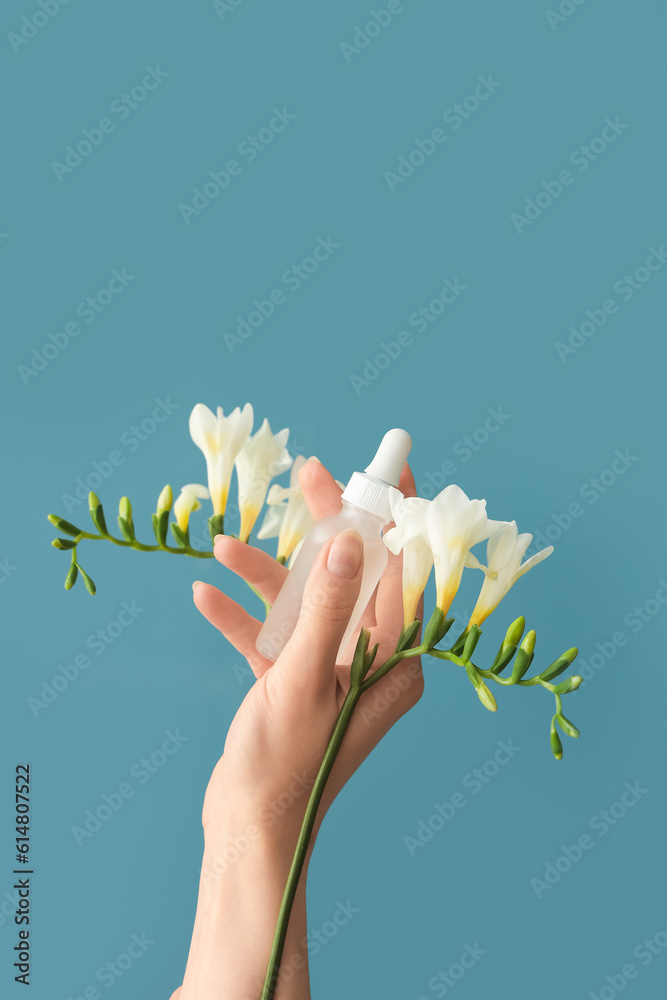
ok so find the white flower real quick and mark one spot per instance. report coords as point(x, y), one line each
point(288, 517)
point(504, 552)
point(411, 538)
point(262, 457)
point(454, 524)
point(221, 439)
point(187, 502)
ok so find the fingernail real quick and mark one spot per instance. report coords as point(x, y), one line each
point(217, 537)
point(195, 585)
point(345, 554)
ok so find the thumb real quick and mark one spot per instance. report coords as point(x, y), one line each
point(329, 597)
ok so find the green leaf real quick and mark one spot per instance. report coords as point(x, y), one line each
point(72, 574)
point(182, 537)
point(358, 669)
point(126, 529)
point(162, 527)
point(472, 639)
point(216, 525)
point(436, 629)
point(408, 635)
point(503, 657)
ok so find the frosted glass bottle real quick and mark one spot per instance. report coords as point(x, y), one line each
point(366, 508)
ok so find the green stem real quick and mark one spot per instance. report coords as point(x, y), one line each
point(140, 547)
point(301, 851)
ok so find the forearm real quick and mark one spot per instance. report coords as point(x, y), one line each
point(243, 877)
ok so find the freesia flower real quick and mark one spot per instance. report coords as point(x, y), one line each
point(454, 524)
point(288, 517)
point(410, 536)
point(220, 438)
point(262, 457)
point(504, 552)
point(187, 502)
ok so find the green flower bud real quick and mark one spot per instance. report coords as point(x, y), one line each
point(487, 698)
point(90, 586)
point(72, 574)
point(165, 500)
point(559, 665)
point(93, 501)
point(567, 726)
point(556, 745)
point(514, 632)
point(528, 644)
point(570, 684)
point(63, 544)
point(62, 525)
point(125, 508)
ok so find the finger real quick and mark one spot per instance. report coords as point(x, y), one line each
point(320, 489)
point(251, 564)
point(237, 626)
point(329, 598)
point(389, 599)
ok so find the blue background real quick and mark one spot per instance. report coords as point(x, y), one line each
point(495, 347)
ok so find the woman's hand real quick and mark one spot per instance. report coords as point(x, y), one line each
point(257, 795)
point(282, 728)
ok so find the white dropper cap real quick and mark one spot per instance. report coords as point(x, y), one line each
point(370, 489)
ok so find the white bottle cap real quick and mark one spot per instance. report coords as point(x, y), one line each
point(370, 489)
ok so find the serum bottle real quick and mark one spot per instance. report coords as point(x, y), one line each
point(365, 508)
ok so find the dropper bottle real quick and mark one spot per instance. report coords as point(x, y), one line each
point(366, 508)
